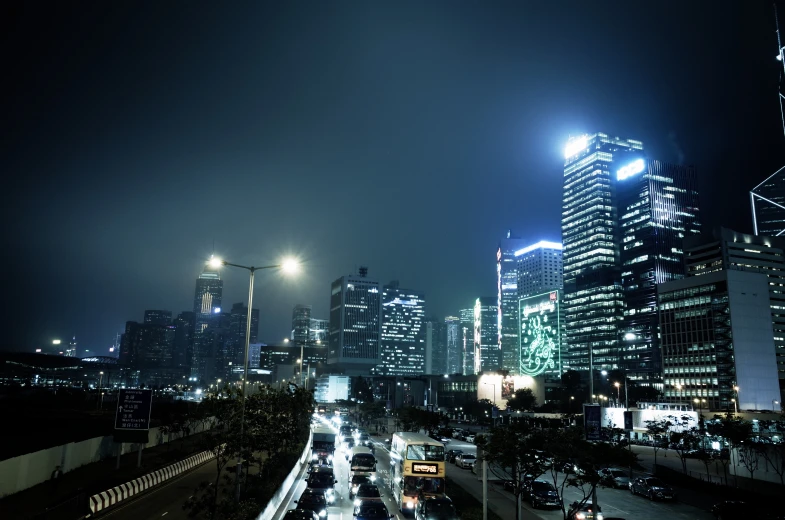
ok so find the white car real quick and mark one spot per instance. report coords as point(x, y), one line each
point(470, 439)
point(465, 460)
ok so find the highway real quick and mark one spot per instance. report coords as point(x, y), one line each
point(165, 500)
point(614, 502)
point(344, 506)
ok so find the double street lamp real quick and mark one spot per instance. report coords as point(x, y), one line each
point(289, 266)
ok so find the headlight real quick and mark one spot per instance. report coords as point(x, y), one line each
point(599, 516)
point(373, 478)
point(314, 457)
point(580, 516)
point(354, 489)
point(323, 513)
point(357, 502)
point(410, 504)
point(330, 458)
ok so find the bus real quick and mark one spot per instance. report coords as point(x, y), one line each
point(362, 462)
point(416, 469)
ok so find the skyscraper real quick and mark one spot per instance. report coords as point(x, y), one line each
point(435, 346)
point(657, 208)
point(157, 317)
point(486, 335)
point(507, 300)
point(724, 249)
point(207, 301)
point(318, 331)
point(768, 205)
point(301, 324)
point(593, 297)
point(454, 345)
point(354, 344)
point(467, 340)
point(238, 321)
point(403, 331)
point(539, 268)
point(182, 350)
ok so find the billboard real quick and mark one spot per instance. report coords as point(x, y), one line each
point(508, 387)
point(540, 334)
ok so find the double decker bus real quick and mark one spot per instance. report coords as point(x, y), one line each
point(416, 469)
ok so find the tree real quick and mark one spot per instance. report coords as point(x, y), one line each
point(522, 400)
point(512, 452)
point(657, 428)
point(479, 410)
point(735, 431)
point(683, 437)
point(361, 390)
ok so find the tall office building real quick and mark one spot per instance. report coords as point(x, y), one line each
point(539, 268)
point(354, 343)
point(724, 249)
point(467, 340)
point(453, 345)
point(487, 351)
point(593, 297)
point(301, 324)
point(507, 300)
point(717, 341)
point(157, 317)
point(768, 205)
point(657, 208)
point(207, 301)
point(403, 331)
point(435, 346)
point(238, 321)
point(318, 331)
point(148, 349)
point(182, 350)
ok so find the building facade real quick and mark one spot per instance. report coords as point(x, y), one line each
point(767, 200)
point(593, 296)
point(318, 331)
point(207, 301)
point(435, 346)
point(487, 350)
point(507, 299)
point(453, 345)
point(467, 340)
point(718, 341)
point(403, 331)
point(301, 323)
point(539, 268)
point(726, 249)
point(157, 317)
point(541, 334)
point(657, 209)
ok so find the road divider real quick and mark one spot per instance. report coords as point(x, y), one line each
point(106, 499)
point(275, 502)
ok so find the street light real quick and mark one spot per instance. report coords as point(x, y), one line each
point(735, 407)
point(288, 265)
point(618, 392)
point(100, 384)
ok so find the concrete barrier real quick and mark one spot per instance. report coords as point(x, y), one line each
point(275, 502)
point(25, 471)
point(105, 499)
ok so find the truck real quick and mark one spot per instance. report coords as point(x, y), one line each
point(323, 444)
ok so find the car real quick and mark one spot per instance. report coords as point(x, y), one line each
point(300, 514)
point(651, 487)
point(367, 493)
point(322, 479)
point(465, 460)
point(450, 455)
point(356, 481)
point(586, 512)
point(470, 439)
point(542, 493)
point(313, 500)
point(365, 510)
point(435, 508)
point(615, 477)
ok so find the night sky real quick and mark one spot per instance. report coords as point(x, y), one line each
point(138, 138)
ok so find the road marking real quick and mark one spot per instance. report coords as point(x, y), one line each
point(166, 513)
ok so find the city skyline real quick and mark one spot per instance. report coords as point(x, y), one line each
point(117, 192)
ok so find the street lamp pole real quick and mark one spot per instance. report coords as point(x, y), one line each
point(289, 265)
point(100, 385)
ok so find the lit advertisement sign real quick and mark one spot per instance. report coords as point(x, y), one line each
point(425, 469)
point(633, 168)
point(508, 387)
point(540, 334)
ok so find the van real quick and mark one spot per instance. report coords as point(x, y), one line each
point(361, 461)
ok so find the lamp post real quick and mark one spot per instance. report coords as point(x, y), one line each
point(493, 419)
point(618, 393)
point(100, 385)
point(289, 266)
point(735, 407)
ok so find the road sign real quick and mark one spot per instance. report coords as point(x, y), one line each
point(628, 421)
point(133, 409)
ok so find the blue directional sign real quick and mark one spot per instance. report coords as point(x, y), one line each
point(133, 409)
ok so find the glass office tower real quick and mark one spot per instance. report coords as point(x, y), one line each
point(593, 297)
point(507, 300)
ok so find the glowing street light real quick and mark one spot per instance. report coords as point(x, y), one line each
point(56, 342)
point(289, 266)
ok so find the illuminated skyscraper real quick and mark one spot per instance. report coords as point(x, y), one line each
point(768, 205)
point(403, 331)
point(539, 268)
point(657, 208)
point(467, 340)
point(301, 323)
point(486, 335)
point(207, 301)
point(454, 345)
point(507, 300)
point(157, 317)
point(593, 297)
point(354, 343)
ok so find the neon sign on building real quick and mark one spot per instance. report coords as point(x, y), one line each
point(634, 168)
point(540, 336)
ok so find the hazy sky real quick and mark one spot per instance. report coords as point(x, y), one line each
point(405, 136)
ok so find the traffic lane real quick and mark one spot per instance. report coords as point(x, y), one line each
point(614, 502)
point(165, 500)
point(343, 508)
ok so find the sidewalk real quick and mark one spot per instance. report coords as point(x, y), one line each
point(75, 486)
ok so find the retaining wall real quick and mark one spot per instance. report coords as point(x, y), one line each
point(275, 502)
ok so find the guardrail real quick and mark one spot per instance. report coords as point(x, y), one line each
point(275, 502)
point(105, 499)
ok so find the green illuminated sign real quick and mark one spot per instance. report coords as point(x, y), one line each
point(540, 337)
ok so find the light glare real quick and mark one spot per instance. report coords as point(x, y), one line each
point(215, 262)
point(575, 145)
point(631, 169)
point(290, 266)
